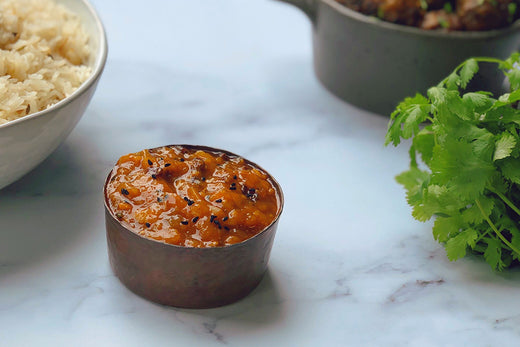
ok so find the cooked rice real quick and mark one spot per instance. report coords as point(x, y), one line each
point(43, 52)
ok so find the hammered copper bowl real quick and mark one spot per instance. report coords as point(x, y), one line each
point(184, 276)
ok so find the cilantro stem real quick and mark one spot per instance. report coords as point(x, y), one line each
point(478, 60)
point(504, 240)
point(482, 236)
point(507, 201)
point(481, 60)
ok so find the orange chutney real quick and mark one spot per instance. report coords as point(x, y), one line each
point(190, 197)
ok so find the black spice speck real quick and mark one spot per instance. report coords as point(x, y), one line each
point(147, 224)
point(182, 159)
point(232, 188)
point(184, 222)
point(124, 191)
point(119, 215)
point(212, 218)
point(235, 177)
point(218, 200)
point(226, 228)
point(225, 218)
point(150, 162)
point(194, 220)
point(203, 179)
point(167, 164)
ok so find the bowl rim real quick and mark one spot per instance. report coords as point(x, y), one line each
point(99, 65)
point(200, 249)
point(411, 30)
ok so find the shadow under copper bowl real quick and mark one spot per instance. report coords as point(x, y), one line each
point(185, 276)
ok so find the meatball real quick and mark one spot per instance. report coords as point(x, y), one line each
point(441, 19)
point(484, 15)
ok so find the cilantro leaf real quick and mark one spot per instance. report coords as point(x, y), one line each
point(504, 146)
point(514, 78)
point(511, 169)
point(445, 227)
point(469, 69)
point(456, 246)
point(423, 143)
point(406, 119)
point(456, 165)
point(478, 102)
point(493, 253)
point(473, 215)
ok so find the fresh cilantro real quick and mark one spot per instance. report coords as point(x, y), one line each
point(511, 9)
point(465, 163)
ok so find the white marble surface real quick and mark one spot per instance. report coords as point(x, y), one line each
point(349, 265)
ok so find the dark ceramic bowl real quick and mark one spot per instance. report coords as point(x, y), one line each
point(375, 64)
point(183, 276)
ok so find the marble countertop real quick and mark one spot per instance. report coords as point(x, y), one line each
point(349, 265)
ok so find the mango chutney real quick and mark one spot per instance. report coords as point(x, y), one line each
point(191, 197)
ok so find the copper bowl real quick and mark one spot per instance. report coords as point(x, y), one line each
point(184, 276)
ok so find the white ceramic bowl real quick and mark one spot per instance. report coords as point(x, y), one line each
point(26, 142)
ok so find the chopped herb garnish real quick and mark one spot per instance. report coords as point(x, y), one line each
point(225, 218)
point(227, 228)
point(212, 218)
point(119, 215)
point(380, 12)
point(444, 23)
point(511, 8)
